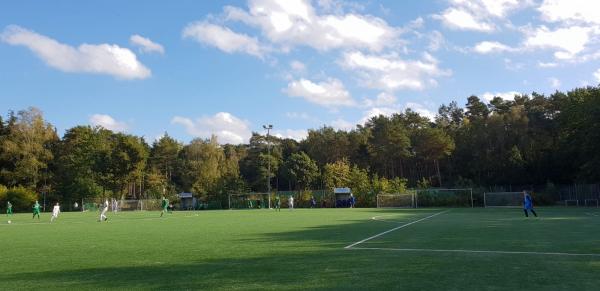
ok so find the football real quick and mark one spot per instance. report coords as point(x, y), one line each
point(9, 222)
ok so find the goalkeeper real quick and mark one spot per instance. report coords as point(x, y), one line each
point(528, 204)
point(165, 205)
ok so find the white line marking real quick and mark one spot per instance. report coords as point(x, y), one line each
point(376, 218)
point(591, 214)
point(393, 229)
point(481, 251)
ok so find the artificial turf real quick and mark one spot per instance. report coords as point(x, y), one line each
point(305, 249)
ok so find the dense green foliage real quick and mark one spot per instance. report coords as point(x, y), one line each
point(302, 250)
point(532, 140)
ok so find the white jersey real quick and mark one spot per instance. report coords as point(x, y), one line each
point(56, 210)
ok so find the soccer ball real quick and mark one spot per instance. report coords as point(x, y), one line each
point(9, 222)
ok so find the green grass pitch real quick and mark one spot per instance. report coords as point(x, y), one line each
point(460, 249)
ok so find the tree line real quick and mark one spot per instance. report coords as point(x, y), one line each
point(533, 139)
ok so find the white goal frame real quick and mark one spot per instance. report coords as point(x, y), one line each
point(485, 200)
point(470, 190)
point(595, 201)
point(268, 198)
point(571, 200)
point(413, 199)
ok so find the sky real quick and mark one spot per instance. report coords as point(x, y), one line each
point(193, 69)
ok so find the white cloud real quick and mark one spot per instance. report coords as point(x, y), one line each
point(87, 58)
point(227, 127)
point(376, 111)
point(295, 134)
point(554, 82)
point(146, 45)
point(436, 40)
point(330, 93)
point(422, 110)
point(341, 124)
point(297, 66)
point(547, 64)
point(597, 75)
point(301, 116)
point(478, 15)
point(296, 23)
point(224, 39)
point(509, 95)
point(571, 11)
point(461, 19)
point(391, 73)
point(108, 122)
point(486, 47)
point(382, 99)
point(569, 41)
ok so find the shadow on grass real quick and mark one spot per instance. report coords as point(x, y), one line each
point(326, 265)
point(327, 270)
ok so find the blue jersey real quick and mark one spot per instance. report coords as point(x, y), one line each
point(527, 202)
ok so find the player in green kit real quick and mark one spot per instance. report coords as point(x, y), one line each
point(277, 203)
point(165, 205)
point(36, 210)
point(8, 208)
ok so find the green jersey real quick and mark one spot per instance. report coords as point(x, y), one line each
point(36, 207)
point(8, 206)
point(165, 203)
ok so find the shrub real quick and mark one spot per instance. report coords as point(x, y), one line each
point(21, 198)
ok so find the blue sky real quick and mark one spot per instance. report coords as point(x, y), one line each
point(196, 68)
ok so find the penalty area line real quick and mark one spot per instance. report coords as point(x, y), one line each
point(480, 252)
point(393, 229)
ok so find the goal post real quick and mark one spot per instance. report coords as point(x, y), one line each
point(444, 197)
point(591, 202)
point(396, 200)
point(249, 201)
point(503, 199)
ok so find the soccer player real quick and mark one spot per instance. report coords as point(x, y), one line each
point(165, 205)
point(36, 210)
point(104, 210)
point(352, 200)
point(291, 202)
point(528, 204)
point(313, 202)
point(8, 209)
point(277, 203)
point(55, 212)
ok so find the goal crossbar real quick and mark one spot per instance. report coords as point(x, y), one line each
point(503, 199)
point(396, 200)
point(466, 192)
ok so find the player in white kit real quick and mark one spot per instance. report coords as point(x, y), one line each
point(104, 210)
point(55, 212)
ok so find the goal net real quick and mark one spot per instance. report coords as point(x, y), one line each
point(438, 197)
point(396, 200)
point(122, 205)
point(503, 199)
point(249, 201)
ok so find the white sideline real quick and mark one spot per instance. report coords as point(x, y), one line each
point(480, 251)
point(393, 229)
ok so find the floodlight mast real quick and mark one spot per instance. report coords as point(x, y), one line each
point(268, 128)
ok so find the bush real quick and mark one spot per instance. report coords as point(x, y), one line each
point(21, 198)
